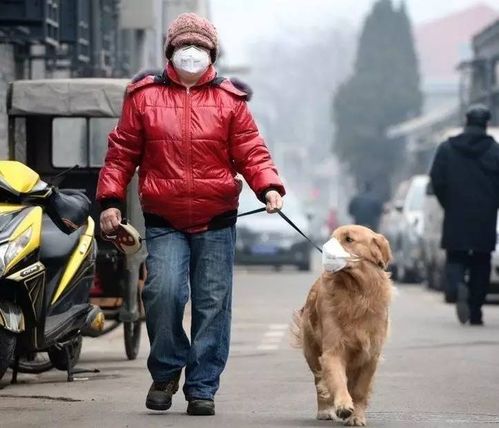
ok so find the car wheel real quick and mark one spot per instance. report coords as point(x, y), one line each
point(401, 273)
point(394, 272)
point(304, 267)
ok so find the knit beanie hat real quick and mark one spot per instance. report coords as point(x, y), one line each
point(192, 29)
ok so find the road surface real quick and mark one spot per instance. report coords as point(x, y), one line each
point(435, 373)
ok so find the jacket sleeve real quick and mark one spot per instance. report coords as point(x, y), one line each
point(125, 145)
point(250, 154)
point(438, 175)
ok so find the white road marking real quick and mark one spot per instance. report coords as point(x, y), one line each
point(278, 326)
point(267, 347)
point(274, 333)
point(273, 337)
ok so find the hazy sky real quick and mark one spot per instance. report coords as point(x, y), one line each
point(241, 21)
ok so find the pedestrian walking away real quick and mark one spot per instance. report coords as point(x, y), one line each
point(189, 132)
point(465, 179)
point(366, 208)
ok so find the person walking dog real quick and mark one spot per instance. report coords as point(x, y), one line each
point(465, 179)
point(189, 132)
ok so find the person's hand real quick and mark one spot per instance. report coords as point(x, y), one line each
point(274, 201)
point(110, 220)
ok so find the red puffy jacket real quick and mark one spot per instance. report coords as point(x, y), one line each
point(189, 144)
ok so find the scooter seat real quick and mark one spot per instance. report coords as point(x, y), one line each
point(57, 245)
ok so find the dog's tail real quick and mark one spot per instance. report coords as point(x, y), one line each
point(296, 329)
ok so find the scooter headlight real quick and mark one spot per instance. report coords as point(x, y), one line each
point(10, 250)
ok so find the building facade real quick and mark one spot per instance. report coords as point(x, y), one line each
point(480, 77)
point(82, 38)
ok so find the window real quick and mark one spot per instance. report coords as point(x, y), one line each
point(99, 130)
point(80, 141)
point(69, 148)
point(416, 195)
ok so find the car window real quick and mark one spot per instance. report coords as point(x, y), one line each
point(416, 195)
point(401, 191)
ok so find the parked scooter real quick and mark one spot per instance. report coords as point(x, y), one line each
point(47, 261)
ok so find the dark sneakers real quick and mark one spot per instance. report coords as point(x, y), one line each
point(160, 395)
point(200, 407)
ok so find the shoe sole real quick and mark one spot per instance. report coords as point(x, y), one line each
point(201, 413)
point(158, 407)
point(462, 308)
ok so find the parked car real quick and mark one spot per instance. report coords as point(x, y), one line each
point(433, 215)
point(390, 222)
point(266, 239)
point(403, 225)
point(433, 255)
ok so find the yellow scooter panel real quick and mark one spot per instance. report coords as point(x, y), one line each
point(18, 176)
point(76, 260)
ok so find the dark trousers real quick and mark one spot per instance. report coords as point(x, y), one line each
point(473, 269)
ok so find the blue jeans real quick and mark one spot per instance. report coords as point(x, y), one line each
point(205, 261)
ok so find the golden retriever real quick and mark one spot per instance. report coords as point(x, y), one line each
point(344, 323)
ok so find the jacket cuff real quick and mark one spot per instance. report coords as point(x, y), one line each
point(262, 194)
point(111, 203)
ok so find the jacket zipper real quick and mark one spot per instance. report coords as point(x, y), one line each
point(189, 153)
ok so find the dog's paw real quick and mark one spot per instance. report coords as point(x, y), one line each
point(344, 411)
point(356, 421)
point(326, 415)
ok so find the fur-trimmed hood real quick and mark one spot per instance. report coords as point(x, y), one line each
point(158, 73)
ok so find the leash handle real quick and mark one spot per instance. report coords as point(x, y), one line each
point(295, 227)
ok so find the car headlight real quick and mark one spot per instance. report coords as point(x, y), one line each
point(10, 250)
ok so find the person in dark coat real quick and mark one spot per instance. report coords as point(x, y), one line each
point(366, 208)
point(465, 179)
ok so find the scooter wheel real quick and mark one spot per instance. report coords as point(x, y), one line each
point(7, 347)
point(35, 363)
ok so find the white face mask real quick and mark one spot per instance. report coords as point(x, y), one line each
point(191, 59)
point(335, 257)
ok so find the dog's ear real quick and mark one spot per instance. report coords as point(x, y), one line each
point(380, 251)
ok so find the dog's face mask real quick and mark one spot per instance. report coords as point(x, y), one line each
point(351, 245)
point(335, 257)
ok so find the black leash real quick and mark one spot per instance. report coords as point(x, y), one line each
point(295, 227)
point(259, 210)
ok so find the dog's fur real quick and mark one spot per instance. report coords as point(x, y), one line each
point(343, 326)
